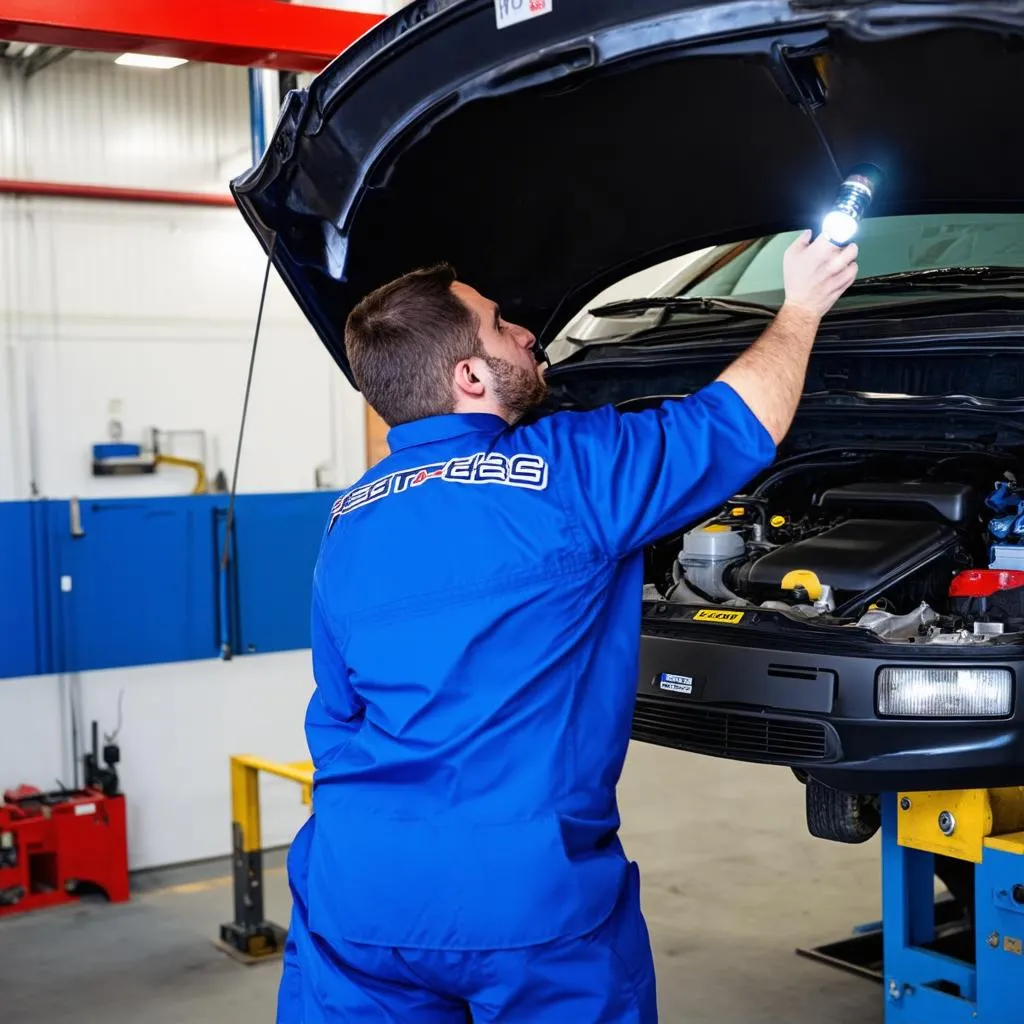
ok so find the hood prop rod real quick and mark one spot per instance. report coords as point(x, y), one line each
point(807, 103)
point(225, 628)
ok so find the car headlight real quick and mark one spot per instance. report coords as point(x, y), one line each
point(945, 692)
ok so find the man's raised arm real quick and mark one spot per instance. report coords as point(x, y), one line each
point(769, 376)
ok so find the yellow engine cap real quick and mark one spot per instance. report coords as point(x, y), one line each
point(803, 578)
point(738, 511)
point(777, 521)
point(717, 528)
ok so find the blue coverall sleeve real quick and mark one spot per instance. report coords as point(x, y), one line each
point(643, 475)
point(335, 711)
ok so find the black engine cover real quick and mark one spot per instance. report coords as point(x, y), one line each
point(917, 499)
point(854, 557)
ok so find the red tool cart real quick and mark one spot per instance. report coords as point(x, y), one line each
point(56, 846)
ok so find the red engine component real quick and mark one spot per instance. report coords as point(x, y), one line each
point(52, 845)
point(985, 582)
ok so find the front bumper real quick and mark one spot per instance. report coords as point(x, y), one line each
point(766, 700)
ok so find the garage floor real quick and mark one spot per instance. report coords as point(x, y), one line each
point(732, 883)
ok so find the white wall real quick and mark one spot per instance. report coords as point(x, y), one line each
point(180, 724)
point(150, 309)
point(153, 309)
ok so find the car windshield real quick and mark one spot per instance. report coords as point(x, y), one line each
point(887, 245)
point(751, 273)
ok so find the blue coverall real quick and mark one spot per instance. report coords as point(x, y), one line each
point(476, 623)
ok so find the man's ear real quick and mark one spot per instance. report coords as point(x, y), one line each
point(467, 382)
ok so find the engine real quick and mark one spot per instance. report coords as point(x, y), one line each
point(859, 561)
point(908, 560)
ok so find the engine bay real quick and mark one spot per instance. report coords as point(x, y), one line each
point(912, 546)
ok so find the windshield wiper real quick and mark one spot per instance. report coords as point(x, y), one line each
point(942, 279)
point(684, 304)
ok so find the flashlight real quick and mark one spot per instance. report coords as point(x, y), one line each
point(841, 222)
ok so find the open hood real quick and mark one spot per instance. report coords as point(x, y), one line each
point(548, 159)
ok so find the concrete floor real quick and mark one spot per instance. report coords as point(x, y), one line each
point(732, 884)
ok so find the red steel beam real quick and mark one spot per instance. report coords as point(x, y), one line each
point(252, 33)
point(111, 193)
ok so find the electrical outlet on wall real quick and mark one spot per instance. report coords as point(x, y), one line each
point(115, 428)
point(324, 477)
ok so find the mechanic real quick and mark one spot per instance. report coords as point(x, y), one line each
point(476, 626)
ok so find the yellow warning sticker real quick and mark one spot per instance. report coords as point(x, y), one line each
point(718, 615)
point(1012, 945)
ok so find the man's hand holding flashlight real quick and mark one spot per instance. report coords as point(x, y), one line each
point(815, 274)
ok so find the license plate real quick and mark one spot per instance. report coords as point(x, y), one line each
point(675, 684)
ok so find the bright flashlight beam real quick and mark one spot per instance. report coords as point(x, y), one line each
point(855, 194)
point(839, 226)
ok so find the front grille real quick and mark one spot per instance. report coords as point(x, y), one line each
point(672, 722)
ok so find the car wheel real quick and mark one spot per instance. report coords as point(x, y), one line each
point(841, 817)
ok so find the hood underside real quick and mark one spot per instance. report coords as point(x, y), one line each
point(551, 158)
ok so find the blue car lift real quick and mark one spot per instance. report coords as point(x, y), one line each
point(946, 961)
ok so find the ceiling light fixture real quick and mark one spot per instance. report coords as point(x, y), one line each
point(149, 60)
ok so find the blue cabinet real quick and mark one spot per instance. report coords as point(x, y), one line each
point(142, 584)
point(24, 636)
point(124, 582)
point(276, 545)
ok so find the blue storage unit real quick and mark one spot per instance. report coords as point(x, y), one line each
point(276, 544)
point(24, 634)
point(111, 583)
point(142, 584)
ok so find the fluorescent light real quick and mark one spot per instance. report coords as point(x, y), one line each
point(149, 60)
point(945, 692)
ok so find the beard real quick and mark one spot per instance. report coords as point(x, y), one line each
point(516, 388)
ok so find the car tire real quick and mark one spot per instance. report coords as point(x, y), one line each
point(840, 817)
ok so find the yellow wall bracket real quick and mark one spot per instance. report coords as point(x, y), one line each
point(200, 486)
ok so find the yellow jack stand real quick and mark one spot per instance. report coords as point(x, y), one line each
point(250, 938)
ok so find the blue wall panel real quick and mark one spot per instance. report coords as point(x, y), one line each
point(142, 584)
point(277, 542)
point(23, 631)
point(142, 579)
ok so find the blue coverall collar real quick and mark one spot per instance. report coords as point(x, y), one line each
point(440, 428)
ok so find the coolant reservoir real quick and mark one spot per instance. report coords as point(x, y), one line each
point(707, 552)
point(714, 543)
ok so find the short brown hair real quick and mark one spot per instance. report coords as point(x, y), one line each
point(404, 341)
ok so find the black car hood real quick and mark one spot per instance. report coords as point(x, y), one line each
point(551, 158)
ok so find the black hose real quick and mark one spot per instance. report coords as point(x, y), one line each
point(787, 470)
